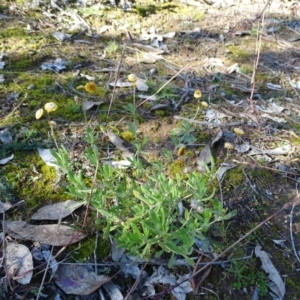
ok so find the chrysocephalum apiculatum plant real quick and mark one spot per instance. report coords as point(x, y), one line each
point(149, 214)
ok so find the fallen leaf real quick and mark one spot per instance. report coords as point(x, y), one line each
point(141, 85)
point(47, 157)
point(54, 235)
point(224, 167)
point(89, 104)
point(88, 77)
point(275, 119)
point(50, 260)
point(204, 159)
point(284, 150)
point(5, 136)
point(78, 280)
point(217, 137)
point(119, 143)
point(19, 263)
point(121, 82)
point(61, 36)
point(57, 65)
point(113, 291)
point(242, 148)
point(272, 86)
point(4, 161)
point(151, 98)
point(162, 276)
point(5, 206)
point(278, 287)
point(56, 211)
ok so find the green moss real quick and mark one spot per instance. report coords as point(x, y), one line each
point(85, 249)
point(176, 167)
point(33, 181)
point(13, 32)
point(234, 177)
point(263, 175)
point(127, 136)
point(239, 54)
point(159, 113)
point(295, 141)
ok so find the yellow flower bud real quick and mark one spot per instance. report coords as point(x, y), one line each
point(228, 145)
point(39, 113)
point(197, 94)
point(131, 78)
point(238, 131)
point(204, 104)
point(50, 107)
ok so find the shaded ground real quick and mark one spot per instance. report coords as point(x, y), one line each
point(213, 50)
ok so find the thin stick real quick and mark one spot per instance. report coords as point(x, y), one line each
point(256, 60)
point(209, 123)
point(291, 230)
point(45, 273)
point(117, 73)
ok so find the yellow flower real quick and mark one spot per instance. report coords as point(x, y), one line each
point(204, 104)
point(238, 131)
point(197, 94)
point(50, 107)
point(91, 87)
point(228, 145)
point(131, 78)
point(39, 113)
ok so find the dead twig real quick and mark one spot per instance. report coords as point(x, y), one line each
point(209, 124)
point(256, 60)
point(291, 231)
point(117, 73)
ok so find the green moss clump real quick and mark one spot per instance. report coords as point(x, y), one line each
point(234, 177)
point(127, 136)
point(176, 167)
point(85, 250)
point(240, 55)
point(36, 188)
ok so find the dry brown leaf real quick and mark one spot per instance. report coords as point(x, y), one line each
point(19, 263)
point(55, 235)
point(56, 211)
point(78, 280)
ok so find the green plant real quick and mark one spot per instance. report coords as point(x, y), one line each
point(246, 275)
point(112, 47)
point(183, 134)
point(168, 92)
point(142, 210)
